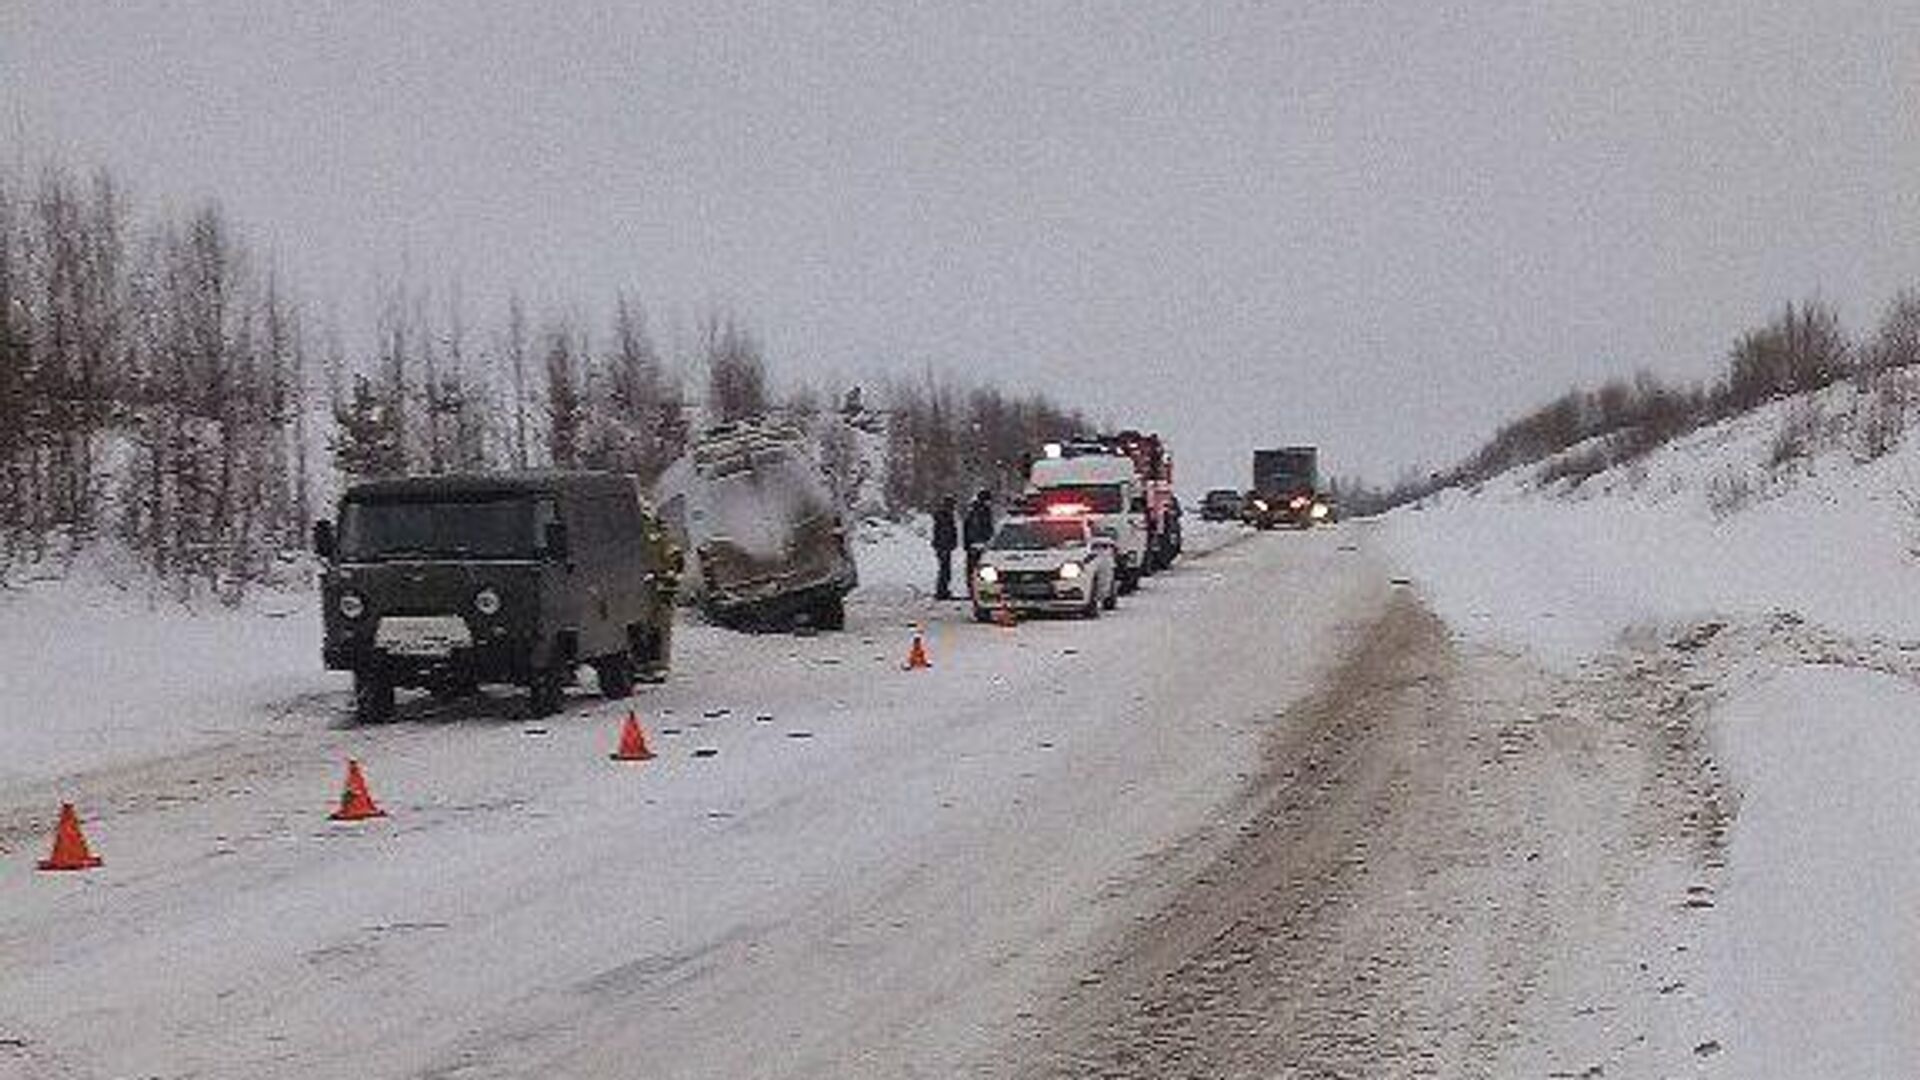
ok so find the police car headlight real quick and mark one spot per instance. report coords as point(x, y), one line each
point(1319, 511)
point(486, 602)
point(351, 605)
point(988, 575)
point(1070, 571)
point(1259, 504)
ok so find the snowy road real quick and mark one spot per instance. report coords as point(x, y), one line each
point(873, 873)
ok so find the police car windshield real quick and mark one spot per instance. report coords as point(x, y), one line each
point(500, 528)
point(1039, 535)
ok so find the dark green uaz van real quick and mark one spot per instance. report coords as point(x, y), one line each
point(447, 582)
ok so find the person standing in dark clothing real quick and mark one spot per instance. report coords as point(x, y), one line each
point(977, 530)
point(946, 537)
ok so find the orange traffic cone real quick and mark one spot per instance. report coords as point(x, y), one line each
point(917, 655)
point(633, 742)
point(69, 846)
point(356, 804)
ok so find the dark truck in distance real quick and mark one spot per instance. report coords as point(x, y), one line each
point(1286, 489)
point(447, 582)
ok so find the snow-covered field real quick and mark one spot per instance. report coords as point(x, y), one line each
point(1791, 598)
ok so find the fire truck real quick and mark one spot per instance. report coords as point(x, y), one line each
point(1154, 464)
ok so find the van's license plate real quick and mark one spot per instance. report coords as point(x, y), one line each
point(426, 636)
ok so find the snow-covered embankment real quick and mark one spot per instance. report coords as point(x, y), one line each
point(1814, 718)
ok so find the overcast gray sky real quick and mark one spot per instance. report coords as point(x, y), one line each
point(1380, 225)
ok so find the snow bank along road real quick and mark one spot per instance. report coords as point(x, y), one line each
point(834, 868)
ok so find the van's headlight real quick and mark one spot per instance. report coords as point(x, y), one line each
point(486, 602)
point(988, 575)
point(1319, 511)
point(351, 605)
point(1260, 504)
point(1070, 571)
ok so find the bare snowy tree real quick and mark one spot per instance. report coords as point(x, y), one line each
point(1897, 342)
point(1802, 349)
point(366, 435)
point(514, 347)
point(736, 371)
point(943, 441)
point(566, 403)
point(14, 346)
point(633, 421)
point(462, 398)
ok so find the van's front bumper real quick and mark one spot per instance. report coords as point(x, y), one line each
point(774, 601)
point(496, 656)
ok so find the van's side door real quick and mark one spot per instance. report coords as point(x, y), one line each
point(627, 557)
point(606, 587)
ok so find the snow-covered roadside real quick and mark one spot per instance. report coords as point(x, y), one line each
point(94, 677)
point(1815, 945)
point(1781, 628)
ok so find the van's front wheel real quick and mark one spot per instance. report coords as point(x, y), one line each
point(616, 675)
point(372, 697)
point(649, 647)
point(546, 693)
point(831, 614)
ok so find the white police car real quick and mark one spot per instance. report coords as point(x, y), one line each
point(1054, 563)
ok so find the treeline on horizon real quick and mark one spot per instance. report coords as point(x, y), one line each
point(162, 391)
point(1803, 348)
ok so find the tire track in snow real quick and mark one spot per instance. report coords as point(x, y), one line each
point(1443, 871)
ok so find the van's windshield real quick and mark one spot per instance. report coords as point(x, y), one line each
point(481, 528)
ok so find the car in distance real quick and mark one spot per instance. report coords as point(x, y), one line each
point(1221, 504)
point(448, 582)
point(1046, 564)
